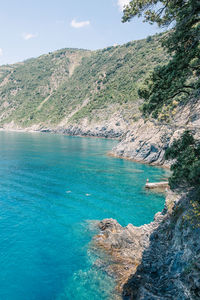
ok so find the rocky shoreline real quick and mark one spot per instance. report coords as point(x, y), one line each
point(147, 140)
point(143, 141)
point(160, 260)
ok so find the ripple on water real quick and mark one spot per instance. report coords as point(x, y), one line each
point(50, 186)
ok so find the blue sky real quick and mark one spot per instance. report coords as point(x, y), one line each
point(29, 28)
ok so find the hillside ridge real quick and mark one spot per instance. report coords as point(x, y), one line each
point(94, 93)
point(76, 88)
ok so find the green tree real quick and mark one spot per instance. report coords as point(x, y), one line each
point(186, 167)
point(181, 76)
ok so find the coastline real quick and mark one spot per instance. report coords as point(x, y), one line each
point(110, 153)
point(51, 131)
point(122, 248)
point(164, 166)
point(142, 141)
point(159, 260)
point(149, 262)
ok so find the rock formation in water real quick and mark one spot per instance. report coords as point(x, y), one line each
point(160, 260)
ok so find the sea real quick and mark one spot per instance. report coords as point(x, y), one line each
point(53, 190)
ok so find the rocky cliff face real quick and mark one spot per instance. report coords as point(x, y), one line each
point(114, 127)
point(143, 140)
point(146, 141)
point(160, 260)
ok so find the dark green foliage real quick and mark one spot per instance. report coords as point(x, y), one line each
point(149, 39)
point(180, 78)
point(186, 168)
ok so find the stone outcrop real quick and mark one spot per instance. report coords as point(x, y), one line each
point(160, 260)
point(102, 131)
point(113, 128)
point(146, 141)
point(124, 247)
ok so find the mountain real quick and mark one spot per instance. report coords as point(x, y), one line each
point(75, 88)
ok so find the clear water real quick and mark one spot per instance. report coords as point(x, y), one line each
point(50, 187)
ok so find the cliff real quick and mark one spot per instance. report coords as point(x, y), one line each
point(147, 140)
point(160, 260)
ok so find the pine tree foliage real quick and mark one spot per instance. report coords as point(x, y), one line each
point(180, 78)
point(186, 168)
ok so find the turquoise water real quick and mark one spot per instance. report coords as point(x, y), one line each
point(50, 187)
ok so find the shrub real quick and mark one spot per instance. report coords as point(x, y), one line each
point(186, 168)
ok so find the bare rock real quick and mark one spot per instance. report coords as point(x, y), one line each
point(146, 141)
point(160, 260)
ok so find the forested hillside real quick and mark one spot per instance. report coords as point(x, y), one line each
point(70, 85)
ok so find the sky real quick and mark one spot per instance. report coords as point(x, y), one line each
point(29, 28)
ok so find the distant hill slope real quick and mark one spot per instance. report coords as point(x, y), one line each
point(73, 86)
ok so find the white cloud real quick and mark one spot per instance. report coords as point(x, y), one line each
point(28, 36)
point(1, 52)
point(76, 24)
point(122, 3)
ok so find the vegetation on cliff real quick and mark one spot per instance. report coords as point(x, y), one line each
point(186, 168)
point(177, 80)
point(74, 84)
